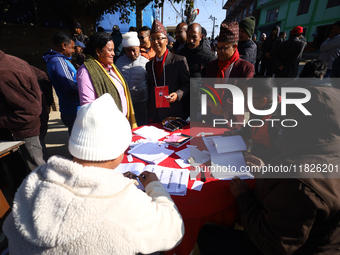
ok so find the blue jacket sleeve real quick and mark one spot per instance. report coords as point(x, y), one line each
point(65, 78)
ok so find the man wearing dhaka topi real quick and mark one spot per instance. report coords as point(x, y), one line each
point(168, 78)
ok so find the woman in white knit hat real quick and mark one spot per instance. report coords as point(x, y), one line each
point(132, 66)
point(83, 206)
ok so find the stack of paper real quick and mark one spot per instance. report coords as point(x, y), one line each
point(150, 152)
point(227, 158)
point(151, 132)
point(198, 156)
point(175, 181)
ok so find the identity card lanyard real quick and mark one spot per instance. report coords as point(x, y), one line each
point(161, 91)
point(153, 71)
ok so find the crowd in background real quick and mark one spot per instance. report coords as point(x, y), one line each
point(147, 74)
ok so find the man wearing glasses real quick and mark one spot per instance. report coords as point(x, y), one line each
point(145, 43)
point(228, 65)
point(168, 78)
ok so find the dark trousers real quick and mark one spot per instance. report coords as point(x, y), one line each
point(257, 65)
point(217, 240)
point(68, 121)
point(266, 67)
point(141, 113)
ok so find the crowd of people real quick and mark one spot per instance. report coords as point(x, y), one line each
point(108, 84)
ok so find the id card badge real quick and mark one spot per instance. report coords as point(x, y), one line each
point(160, 93)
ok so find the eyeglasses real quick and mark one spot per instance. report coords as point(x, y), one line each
point(224, 48)
point(158, 39)
point(142, 37)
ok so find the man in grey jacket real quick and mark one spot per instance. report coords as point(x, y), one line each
point(132, 66)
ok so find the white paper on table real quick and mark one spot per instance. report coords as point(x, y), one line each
point(225, 144)
point(150, 152)
point(193, 174)
point(183, 154)
point(182, 163)
point(206, 152)
point(199, 156)
point(198, 185)
point(223, 163)
point(135, 168)
point(232, 161)
point(175, 181)
point(151, 132)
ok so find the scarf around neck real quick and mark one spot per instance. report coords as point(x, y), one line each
point(223, 65)
point(102, 83)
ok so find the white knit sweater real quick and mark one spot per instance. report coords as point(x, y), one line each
point(65, 208)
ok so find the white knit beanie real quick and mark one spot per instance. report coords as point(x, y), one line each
point(100, 132)
point(130, 39)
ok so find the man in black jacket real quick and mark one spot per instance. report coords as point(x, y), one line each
point(288, 54)
point(198, 56)
point(246, 47)
point(168, 78)
point(271, 44)
point(195, 50)
point(181, 37)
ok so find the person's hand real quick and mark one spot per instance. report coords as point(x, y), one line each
point(130, 175)
point(147, 177)
point(238, 186)
point(267, 55)
point(280, 67)
point(251, 160)
point(173, 97)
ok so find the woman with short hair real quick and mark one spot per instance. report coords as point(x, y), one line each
point(99, 75)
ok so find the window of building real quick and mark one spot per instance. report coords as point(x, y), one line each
point(272, 15)
point(303, 7)
point(333, 3)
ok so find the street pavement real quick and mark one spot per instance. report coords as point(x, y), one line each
point(57, 136)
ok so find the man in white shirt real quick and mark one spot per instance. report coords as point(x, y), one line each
point(132, 66)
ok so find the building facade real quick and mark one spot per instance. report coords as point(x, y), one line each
point(239, 9)
point(315, 16)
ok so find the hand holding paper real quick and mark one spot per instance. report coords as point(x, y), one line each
point(146, 177)
point(172, 97)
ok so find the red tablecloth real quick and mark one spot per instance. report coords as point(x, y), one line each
point(214, 203)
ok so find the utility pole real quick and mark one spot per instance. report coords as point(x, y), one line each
point(213, 31)
point(139, 15)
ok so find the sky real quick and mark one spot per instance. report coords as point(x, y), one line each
point(206, 8)
point(172, 18)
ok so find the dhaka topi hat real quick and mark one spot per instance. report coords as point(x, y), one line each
point(229, 32)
